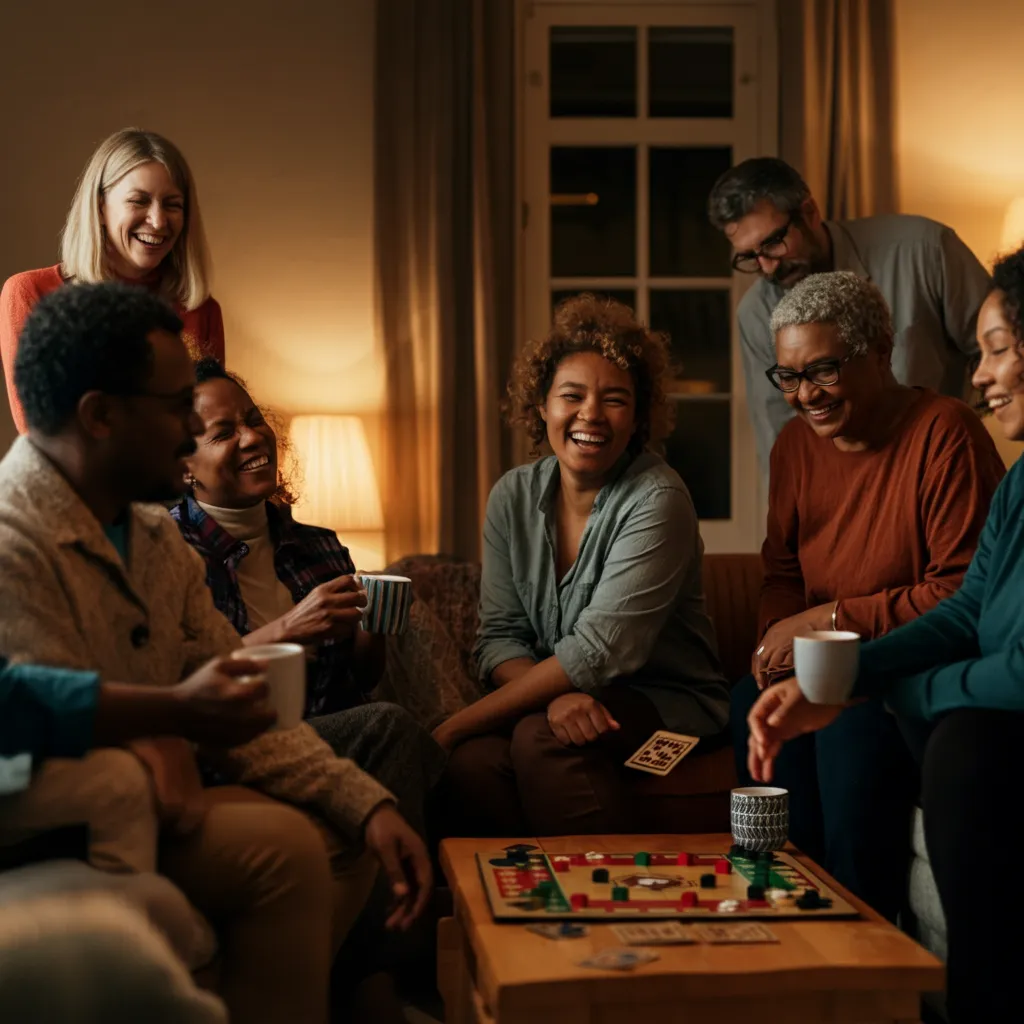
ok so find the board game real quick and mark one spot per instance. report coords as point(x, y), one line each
point(525, 883)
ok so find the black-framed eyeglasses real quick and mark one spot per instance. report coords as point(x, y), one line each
point(822, 373)
point(773, 247)
point(178, 400)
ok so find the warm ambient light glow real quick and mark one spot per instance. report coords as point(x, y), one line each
point(1013, 227)
point(338, 487)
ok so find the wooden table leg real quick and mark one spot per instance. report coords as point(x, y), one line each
point(454, 980)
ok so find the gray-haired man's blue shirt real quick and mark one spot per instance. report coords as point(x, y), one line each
point(934, 286)
point(630, 611)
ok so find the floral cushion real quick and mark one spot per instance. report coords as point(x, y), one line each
point(430, 669)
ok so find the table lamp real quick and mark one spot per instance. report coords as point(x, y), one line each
point(338, 485)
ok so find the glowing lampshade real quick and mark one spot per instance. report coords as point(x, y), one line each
point(1013, 226)
point(338, 487)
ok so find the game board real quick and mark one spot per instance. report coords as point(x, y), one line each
point(525, 883)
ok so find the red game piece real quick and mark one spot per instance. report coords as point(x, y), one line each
point(579, 901)
point(723, 867)
point(561, 866)
point(688, 899)
point(686, 859)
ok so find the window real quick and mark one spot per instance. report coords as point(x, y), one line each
point(630, 113)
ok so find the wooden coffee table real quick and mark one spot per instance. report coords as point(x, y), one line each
point(851, 971)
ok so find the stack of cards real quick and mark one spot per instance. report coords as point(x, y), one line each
point(565, 930)
point(664, 933)
point(618, 959)
point(738, 931)
point(662, 752)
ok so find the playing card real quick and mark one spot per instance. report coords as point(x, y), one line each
point(618, 959)
point(738, 931)
point(565, 930)
point(662, 752)
point(664, 933)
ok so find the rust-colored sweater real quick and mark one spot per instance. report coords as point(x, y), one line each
point(203, 332)
point(889, 532)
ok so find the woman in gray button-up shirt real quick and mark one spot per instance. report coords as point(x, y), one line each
point(593, 632)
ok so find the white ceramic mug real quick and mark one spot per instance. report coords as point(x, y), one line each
point(826, 663)
point(286, 679)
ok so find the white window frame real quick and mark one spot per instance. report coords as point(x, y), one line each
point(752, 131)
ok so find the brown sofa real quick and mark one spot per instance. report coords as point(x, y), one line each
point(694, 797)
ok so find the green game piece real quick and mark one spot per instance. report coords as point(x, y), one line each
point(620, 894)
point(642, 860)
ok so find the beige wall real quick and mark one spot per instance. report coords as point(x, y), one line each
point(272, 104)
point(960, 117)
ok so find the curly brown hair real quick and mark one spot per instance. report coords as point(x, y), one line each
point(595, 323)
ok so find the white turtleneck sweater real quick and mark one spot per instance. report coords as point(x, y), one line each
point(266, 598)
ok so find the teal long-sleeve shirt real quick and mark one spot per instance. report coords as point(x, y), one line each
point(968, 651)
point(44, 712)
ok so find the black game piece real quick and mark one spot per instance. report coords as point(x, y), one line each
point(707, 881)
point(755, 892)
point(811, 900)
point(599, 875)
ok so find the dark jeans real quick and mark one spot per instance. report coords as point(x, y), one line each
point(524, 782)
point(973, 828)
point(852, 789)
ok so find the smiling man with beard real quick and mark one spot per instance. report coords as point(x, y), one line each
point(930, 280)
point(94, 578)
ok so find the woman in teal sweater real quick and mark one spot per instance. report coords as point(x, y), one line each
point(955, 676)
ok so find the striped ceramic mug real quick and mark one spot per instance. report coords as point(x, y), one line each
point(387, 603)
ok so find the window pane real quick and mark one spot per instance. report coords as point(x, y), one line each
point(593, 211)
point(699, 451)
point(593, 72)
point(624, 295)
point(697, 323)
point(683, 242)
point(690, 72)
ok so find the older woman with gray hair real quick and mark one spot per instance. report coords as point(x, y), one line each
point(878, 496)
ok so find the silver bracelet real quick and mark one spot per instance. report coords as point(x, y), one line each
point(835, 612)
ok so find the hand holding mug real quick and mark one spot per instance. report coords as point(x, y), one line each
point(334, 609)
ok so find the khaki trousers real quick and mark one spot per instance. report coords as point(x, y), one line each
point(282, 896)
point(280, 890)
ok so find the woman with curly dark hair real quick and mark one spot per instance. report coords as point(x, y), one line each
point(955, 679)
point(593, 632)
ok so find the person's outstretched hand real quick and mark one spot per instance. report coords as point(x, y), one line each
point(406, 862)
point(781, 713)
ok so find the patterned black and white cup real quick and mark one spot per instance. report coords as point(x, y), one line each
point(388, 599)
point(759, 816)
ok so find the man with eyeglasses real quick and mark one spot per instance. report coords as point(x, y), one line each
point(931, 281)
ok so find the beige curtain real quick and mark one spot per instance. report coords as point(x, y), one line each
point(836, 100)
point(444, 256)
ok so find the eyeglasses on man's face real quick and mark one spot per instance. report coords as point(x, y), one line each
point(774, 247)
point(822, 373)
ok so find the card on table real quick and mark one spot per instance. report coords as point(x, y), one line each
point(662, 752)
point(662, 933)
point(565, 930)
point(737, 931)
point(618, 959)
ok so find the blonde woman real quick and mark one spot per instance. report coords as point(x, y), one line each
point(135, 218)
